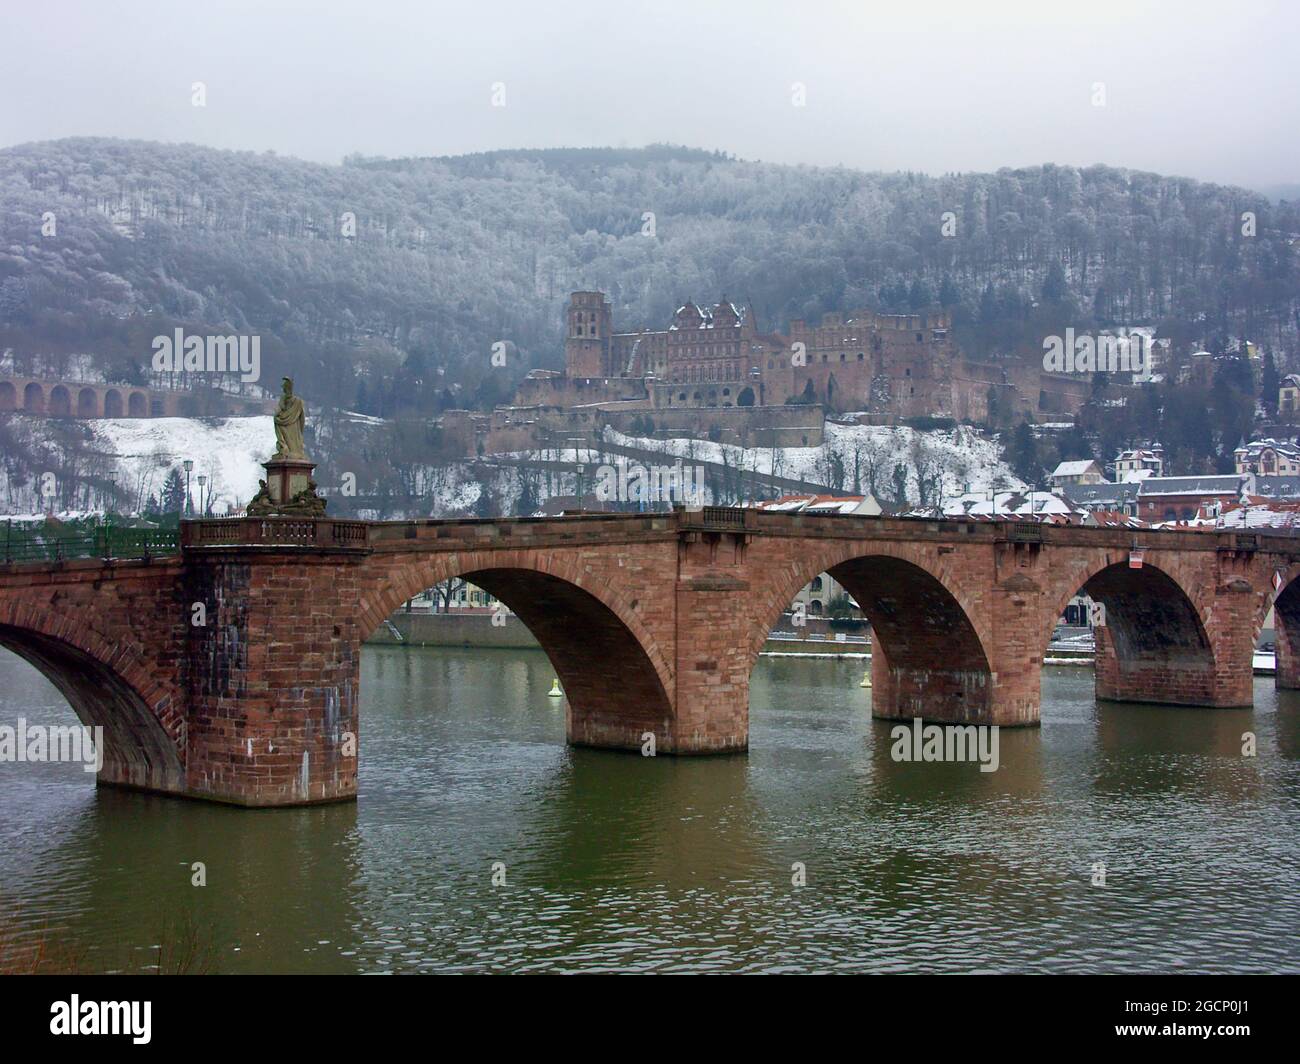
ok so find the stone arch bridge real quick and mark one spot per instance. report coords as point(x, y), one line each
point(653, 623)
point(60, 398)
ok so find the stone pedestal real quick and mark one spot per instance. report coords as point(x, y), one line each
point(286, 477)
point(289, 490)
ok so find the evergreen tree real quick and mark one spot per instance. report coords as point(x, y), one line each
point(1269, 381)
point(921, 295)
point(173, 492)
point(988, 304)
point(1023, 455)
point(1054, 288)
point(949, 296)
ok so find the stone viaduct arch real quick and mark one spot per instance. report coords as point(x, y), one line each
point(82, 399)
point(1286, 624)
point(110, 679)
point(927, 645)
point(577, 618)
point(1155, 644)
point(60, 401)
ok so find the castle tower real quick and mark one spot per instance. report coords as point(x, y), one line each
point(588, 327)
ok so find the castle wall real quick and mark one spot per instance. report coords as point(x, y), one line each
point(889, 366)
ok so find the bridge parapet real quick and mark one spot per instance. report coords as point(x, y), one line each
point(313, 533)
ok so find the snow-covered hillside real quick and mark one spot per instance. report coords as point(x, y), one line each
point(225, 450)
point(134, 455)
point(955, 460)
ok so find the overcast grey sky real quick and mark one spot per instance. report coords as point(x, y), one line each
point(1208, 90)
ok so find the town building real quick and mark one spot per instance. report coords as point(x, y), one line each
point(1138, 463)
point(1268, 458)
point(866, 505)
point(1085, 471)
point(1105, 497)
point(1046, 506)
point(1276, 489)
point(1288, 397)
point(1183, 498)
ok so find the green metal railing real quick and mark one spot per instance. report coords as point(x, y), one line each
point(25, 544)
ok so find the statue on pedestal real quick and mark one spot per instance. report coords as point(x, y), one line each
point(288, 489)
point(290, 421)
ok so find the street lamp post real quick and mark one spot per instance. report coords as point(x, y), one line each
point(203, 506)
point(575, 440)
point(188, 508)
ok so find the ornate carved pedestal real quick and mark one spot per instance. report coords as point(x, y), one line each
point(288, 489)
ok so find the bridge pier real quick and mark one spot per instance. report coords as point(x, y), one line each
point(273, 676)
point(711, 711)
point(946, 673)
point(936, 694)
point(1287, 660)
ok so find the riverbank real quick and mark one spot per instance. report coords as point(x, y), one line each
point(471, 628)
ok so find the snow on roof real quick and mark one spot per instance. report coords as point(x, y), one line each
point(1125, 490)
point(1276, 488)
point(1209, 485)
point(706, 314)
point(842, 504)
point(839, 506)
point(1074, 469)
point(1257, 447)
point(1281, 516)
point(1114, 519)
point(1039, 504)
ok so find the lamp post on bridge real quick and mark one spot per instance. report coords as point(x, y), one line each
point(575, 440)
point(203, 506)
point(188, 508)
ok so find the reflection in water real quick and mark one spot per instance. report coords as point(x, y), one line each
point(617, 862)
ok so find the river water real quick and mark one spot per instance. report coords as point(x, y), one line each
point(614, 862)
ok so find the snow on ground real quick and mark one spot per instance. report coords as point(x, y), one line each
point(969, 461)
point(226, 450)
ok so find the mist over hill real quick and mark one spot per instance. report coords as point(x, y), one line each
point(383, 284)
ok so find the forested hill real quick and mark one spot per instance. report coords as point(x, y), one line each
point(449, 256)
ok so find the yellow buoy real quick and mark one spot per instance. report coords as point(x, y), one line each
point(866, 679)
point(555, 691)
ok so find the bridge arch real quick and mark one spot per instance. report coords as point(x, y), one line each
point(34, 398)
point(8, 396)
point(60, 401)
point(1152, 644)
point(87, 403)
point(1285, 603)
point(929, 645)
point(112, 403)
point(108, 686)
point(616, 678)
point(137, 405)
